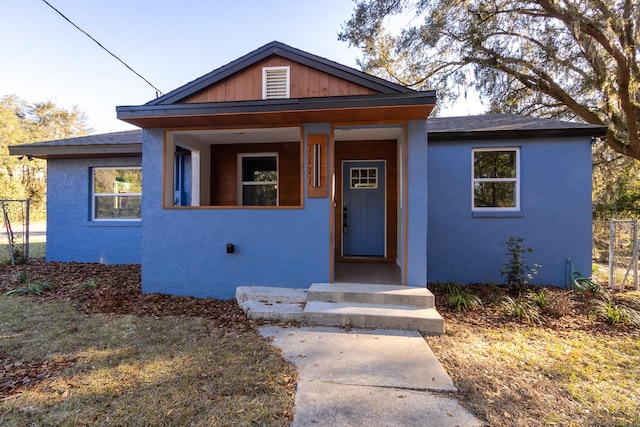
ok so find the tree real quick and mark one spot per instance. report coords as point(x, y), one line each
point(21, 123)
point(571, 59)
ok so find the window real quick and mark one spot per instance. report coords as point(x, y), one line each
point(496, 179)
point(117, 193)
point(258, 179)
point(364, 177)
point(275, 82)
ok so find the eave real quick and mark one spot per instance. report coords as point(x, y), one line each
point(366, 108)
point(596, 131)
point(76, 151)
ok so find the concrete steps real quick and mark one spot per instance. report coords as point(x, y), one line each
point(345, 304)
point(272, 304)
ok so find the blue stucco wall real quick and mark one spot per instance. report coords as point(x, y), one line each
point(71, 235)
point(555, 215)
point(184, 250)
point(417, 208)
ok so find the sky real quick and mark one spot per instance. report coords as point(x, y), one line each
point(169, 42)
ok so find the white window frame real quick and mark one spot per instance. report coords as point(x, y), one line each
point(94, 194)
point(242, 183)
point(516, 179)
point(265, 72)
point(366, 186)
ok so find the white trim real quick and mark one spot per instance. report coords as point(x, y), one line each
point(364, 187)
point(272, 82)
point(93, 170)
point(242, 183)
point(516, 180)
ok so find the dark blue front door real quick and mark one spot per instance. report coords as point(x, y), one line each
point(363, 208)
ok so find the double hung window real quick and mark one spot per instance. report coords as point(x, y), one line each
point(117, 193)
point(496, 179)
point(258, 179)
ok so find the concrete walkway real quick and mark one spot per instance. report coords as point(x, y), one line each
point(368, 377)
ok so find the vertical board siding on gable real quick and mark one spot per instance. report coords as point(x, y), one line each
point(306, 82)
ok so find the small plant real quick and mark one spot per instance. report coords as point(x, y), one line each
point(446, 287)
point(516, 271)
point(614, 314)
point(540, 298)
point(89, 284)
point(33, 289)
point(522, 309)
point(23, 277)
point(463, 300)
point(455, 296)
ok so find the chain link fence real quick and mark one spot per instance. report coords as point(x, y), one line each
point(615, 252)
point(14, 235)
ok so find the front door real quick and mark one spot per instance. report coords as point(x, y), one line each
point(363, 208)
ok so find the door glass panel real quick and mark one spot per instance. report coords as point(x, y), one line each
point(364, 178)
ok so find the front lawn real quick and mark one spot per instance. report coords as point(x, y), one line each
point(92, 349)
point(67, 358)
point(570, 369)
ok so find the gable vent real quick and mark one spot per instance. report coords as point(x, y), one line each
point(275, 82)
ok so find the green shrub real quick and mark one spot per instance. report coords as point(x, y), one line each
point(444, 288)
point(23, 278)
point(462, 300)
point(522, 309)
point(516, 271)
point(89, 284)
point(540, 298)
point(614, 314)
point(33, 288)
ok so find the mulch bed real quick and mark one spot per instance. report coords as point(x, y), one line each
point(567, 311)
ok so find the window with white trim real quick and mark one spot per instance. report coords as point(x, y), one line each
point(116, 193)
point(275, 82)
point(258, 178)
point(496, 179)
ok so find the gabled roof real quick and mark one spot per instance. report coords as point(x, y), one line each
point(288, 52)
point(492, 126)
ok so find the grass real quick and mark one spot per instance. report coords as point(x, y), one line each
point(130, 370)
point(36, 250)
point(531, 375)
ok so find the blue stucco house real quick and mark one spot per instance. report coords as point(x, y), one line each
point(281, 166)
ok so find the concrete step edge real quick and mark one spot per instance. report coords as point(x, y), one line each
point(372, 294)
point(285, 312)
point(271, 294)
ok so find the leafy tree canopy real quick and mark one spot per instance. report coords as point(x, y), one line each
point(22, 123)
point(570, 59)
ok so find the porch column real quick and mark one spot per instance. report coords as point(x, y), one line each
point(416, 163)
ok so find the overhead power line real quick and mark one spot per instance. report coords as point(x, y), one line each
point(158, 91)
